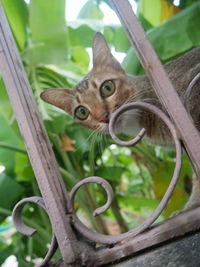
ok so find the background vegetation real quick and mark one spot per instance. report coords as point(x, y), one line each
point(55, 54)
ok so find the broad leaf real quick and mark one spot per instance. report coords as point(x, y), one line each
point(48, 31)
point(90, 10)
point(17, 14)
point(5, 106)
point(10, 192)
point(23, 169)
point(7, 136)
point(171, 44)
point(112, 173)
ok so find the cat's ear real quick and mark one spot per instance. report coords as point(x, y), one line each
point(61, 98)
point(102, 55)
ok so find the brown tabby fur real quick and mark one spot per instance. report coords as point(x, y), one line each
point(129, 88)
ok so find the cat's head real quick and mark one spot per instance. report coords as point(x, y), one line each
point(102, 91)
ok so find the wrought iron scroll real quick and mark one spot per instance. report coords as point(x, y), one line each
point(189, 90)
point(108, 239)
point(39, 148)
point(79, 226)
point(29, 231)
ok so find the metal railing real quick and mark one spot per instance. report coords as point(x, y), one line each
point(76, 242)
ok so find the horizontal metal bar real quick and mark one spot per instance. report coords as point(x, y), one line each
point(174, 227)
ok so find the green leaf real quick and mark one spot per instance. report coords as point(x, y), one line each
point(125, 159)
point(162, 177)
point(5, 106)
point(112, 173)
point(80, 56)
point(188, 37)
point(186, 3)
point(48, 31)
point(10, 192)
point(5, 252)
point(150, 10)
point(23, 169)
point(77, 35)
point(109, 34)
point(138, 203)
point(17, 14)
point(81, 136)
point(121, 41)
point(7, 135)
point(90, 10)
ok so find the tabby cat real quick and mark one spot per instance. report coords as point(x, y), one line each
point(107, 87)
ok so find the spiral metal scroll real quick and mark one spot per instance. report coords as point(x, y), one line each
point(189, 90)
point(108, 239)
point(29, 231)
point(80, 227)
point(97, 180)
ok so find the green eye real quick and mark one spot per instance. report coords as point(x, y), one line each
point(81, 113)
point(107, 89)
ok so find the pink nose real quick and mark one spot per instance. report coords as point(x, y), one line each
point(104, 117)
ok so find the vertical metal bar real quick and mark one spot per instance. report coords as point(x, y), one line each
point(160, 81)
point(38, 146)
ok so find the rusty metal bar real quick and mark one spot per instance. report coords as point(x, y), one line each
point(160, 81)
point(38, 146)
point(178, 226)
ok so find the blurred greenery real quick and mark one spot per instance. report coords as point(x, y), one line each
point(55, 54)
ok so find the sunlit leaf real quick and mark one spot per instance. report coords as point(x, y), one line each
point(138, 202)
point(23, 169)
point(17, 14)
point(90, 11)
point(48, 28)
point(187, 38)
point(77, 35)
point(112, 173)
point(80, 56)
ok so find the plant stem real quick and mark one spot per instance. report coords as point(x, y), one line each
point(99, 221)
point(30, 247)
point(5, 212)
point(41, 230)
point(120, 220)
point(28, 222)
point(11, 147)
point(41, 210)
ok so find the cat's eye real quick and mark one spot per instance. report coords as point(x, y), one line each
point(81, 113)
point(107, 89)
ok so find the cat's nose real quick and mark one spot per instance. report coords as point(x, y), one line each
point(104, 117)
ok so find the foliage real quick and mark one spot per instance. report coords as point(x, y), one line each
point(55, 54)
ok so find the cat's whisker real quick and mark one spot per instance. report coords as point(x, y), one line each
point(137, 96)
point(87, 139)
point(105, 139)
point(102, 144)
point(99, 144)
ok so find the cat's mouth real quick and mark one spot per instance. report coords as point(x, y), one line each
point(105, 117)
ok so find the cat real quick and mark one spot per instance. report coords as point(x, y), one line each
point(107, 87)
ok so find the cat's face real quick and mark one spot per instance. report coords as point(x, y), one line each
point(101, 92)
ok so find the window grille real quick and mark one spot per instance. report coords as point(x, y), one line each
point(68, 232)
